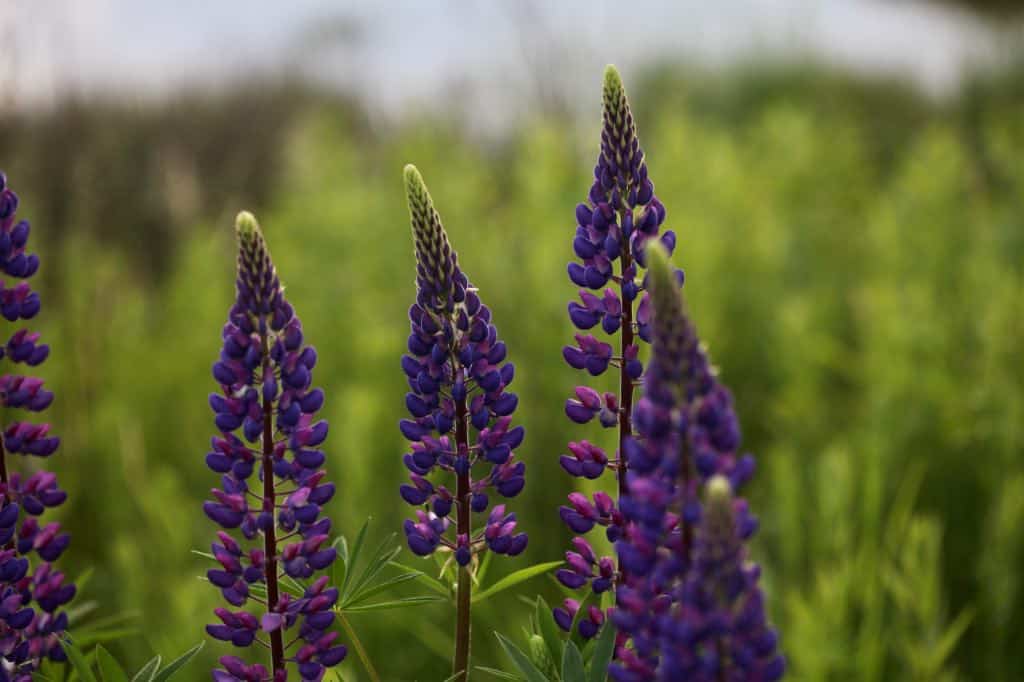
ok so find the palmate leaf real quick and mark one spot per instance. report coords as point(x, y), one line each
point(385, 552)
point(425, 579)
point(353, 558)
point(514, 579)
point(384, 586)
point(394, 604)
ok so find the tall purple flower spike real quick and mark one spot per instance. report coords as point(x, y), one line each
point(32, 590)
point(461, 425)
point(266, 414)
point(620, 217)
point(689, 608)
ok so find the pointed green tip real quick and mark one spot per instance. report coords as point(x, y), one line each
point(246, 226)
point(413, 180)
point(614, 91)
point(418, 196)
point(612, 79)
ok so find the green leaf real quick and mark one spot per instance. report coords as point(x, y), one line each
point(148, 671)
point(79, 662)
point(604, 648)
point(393, 604)
point(340, 568)
point(581, 613)
point(572, 665)
point(481, 572)
point(425, 579)
point(501, 674)
point(521, 660)
point(354, 557)
point(178, 663)
point(373, 590)
point(548, 629)
point(513, 579)
point(97, 637)
point(110, 669)
point(380, 558)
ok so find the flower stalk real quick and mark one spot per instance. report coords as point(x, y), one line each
point(620, 217)
point(690, 608)
point(460, 429)
point(265, 413)
point(32, 590)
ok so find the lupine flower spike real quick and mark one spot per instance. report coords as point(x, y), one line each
point(621, 215)
point(32, 590)
point(690, 608)
point(461, 427)
point(272, 486)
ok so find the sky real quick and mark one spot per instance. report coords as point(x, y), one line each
point(403, 53)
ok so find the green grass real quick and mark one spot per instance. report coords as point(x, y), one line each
point(854, 261)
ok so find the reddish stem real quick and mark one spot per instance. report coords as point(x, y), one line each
point(270, 534)
point(460, 667)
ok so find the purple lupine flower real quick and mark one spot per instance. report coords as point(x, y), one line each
point(689, 607)
point(620, 217)
point(32, 590)
point(458, 381)
point(266, 414)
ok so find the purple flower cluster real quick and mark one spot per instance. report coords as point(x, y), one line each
point(31, 589)
point(458, 378)
point(266, 415)
point(621, 216)
point(689, 607)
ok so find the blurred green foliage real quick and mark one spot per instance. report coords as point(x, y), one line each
point(854, 260)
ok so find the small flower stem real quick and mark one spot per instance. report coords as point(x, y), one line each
point(270, 534)
point(460, 666)
point(358, 646)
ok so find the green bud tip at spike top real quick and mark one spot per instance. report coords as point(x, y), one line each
point(433, 251)
point(614, 92)
point(618, 117)
point(246, 226)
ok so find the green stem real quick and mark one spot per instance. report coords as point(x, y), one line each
point(358, 646)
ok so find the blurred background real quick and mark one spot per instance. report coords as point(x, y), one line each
point(846, 179)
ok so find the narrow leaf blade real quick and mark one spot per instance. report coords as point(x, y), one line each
point(513, 579)
point(178, 663)
point(604, 648)
point(572, 665)
point(521, 660)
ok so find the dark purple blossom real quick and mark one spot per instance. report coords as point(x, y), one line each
point(458, 385)
point(689, 605)
point(32, 591)
point(266, 413)
point(620, 217)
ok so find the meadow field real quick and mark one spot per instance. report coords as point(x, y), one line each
point(854, 257)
